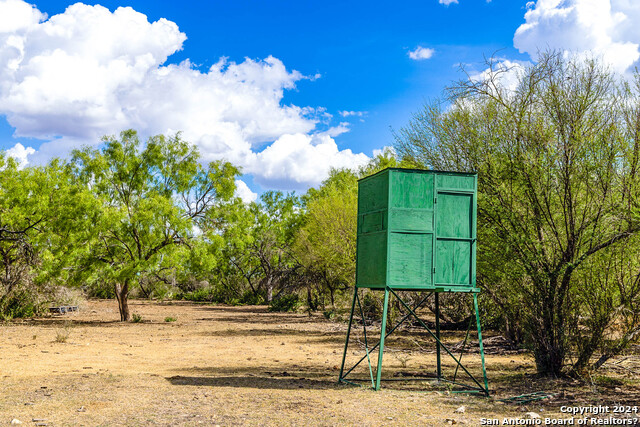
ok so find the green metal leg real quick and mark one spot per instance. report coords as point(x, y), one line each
point(439, 366)
point(484, 370)
point(372, 349)
point(366, 342)
point(383, 332)
point(424, 325)
point(464, 345)
point(346, 343)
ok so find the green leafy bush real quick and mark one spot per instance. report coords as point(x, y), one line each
point(100, 290)
point(371, 304)
point(199, 295)
point(285, 303)
point(21, 304)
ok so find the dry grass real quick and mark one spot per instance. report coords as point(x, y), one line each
point(246, 366)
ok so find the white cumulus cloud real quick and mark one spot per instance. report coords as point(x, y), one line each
point(604, 28)
point(16, 15)
point(20, 153)
point(244, 192)
point(447, 2)
point(88, 72)
point(304, 157)
point(421, 53)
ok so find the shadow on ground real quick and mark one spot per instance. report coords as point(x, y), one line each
point(60, 321)
point(260, 382)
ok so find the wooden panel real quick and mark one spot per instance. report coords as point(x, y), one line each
point(454, 215)
point(373, 193)
point(410, 260)
point(453, 262)
point(372, 222)
point(372, 260)
point(462, 182)
point(411, 190)
point(411, 220)
point(396, 230)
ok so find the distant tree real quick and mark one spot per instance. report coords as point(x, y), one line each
point(277, 219)
point(258, 240)
point(234, 222)
point(326, 243)
point(41, 213)
point(557, 159)
point(151, 198)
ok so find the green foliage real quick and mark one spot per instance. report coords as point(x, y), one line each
point(42, 211)
point(327, 241)
point(199, 295)
point(329, 314)
point(149, 197)
point(136, 318)
point(257, 240)
point(170, 319)
point(371, 304)
point(21, 304)
point(558, 205)
point(100, 290)
point(248, 298)
point(289, 302)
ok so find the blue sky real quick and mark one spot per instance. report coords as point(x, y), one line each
point(277, 102)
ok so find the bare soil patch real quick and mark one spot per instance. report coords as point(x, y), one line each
point(219, 365)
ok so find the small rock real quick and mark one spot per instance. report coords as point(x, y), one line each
point(16, 421)
point(389, 418)
point(461, 409)
point(451, 421)
point(532, 415)
point(82, 409)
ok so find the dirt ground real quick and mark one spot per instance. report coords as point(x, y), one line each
point(220, 365)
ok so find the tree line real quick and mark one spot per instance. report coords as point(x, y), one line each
point(149, 219)
point(557, 158)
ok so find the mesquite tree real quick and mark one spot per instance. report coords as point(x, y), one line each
point(151, 198)
point(557, 158)
point(41, 212)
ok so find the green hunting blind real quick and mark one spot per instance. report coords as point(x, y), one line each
point(416, 232)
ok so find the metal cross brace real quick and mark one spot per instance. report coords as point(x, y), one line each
point(411, 312)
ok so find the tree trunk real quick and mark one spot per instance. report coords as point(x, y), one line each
point(269, 286)
point(549, 351)
point(510, 331)
point(122, 295)
point(549, 360)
